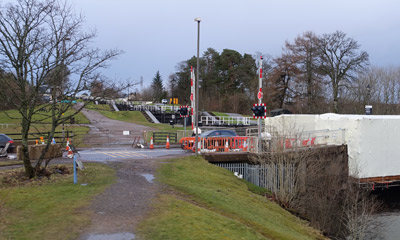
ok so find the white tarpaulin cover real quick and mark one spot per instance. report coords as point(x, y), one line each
point(373, 140)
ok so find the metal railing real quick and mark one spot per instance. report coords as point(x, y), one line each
point(270, 176)
point(223, 121)
point(275, 142)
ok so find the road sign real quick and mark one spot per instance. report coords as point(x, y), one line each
point(259, 95)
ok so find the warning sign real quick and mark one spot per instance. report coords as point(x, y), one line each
point(259, 95)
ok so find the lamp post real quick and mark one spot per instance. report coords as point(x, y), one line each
point(129, 85)
point(196, 120)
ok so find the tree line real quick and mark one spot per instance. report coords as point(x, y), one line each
point(314, 74)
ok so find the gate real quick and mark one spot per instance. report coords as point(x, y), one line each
point(161, 137)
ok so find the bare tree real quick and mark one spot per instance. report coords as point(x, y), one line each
point(304, 52)
point(359, 207)
point(283, 77)
point(42, 45)
point(378, 86)
point(340, 61)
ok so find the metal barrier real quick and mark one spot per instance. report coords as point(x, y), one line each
point(216, 144)
point(161, 137)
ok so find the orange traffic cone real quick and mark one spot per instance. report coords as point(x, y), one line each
point(151, 143)
point(167, 145)
point(245, 145)
point(226, 146)
point(42, 140)
point(37, 142)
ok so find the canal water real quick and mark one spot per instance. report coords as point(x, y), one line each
point(390, 226)
point(389, 218)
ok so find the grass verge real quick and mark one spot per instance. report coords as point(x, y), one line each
point(220, 114)
point(6, 162)
point(211, 203)
point(53, 209)
point(14, 117)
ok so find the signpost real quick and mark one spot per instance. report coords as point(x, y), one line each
point(77, 162)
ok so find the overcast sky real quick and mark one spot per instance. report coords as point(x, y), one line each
point(157, 35)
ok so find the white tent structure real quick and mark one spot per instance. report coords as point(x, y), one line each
point(373, 140)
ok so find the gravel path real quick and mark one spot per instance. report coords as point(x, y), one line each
point(105, 132)
point(117, 211)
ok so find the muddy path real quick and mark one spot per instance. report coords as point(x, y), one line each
point(118, 210)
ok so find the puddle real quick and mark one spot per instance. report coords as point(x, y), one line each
point(115, 236)
point(149, 177)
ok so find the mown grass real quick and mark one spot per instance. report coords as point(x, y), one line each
point(6, 162)
point(79, 132)
point(220, 114)
point(211, 203)
point(132, 117)
point(14, 117)
point(53, 209)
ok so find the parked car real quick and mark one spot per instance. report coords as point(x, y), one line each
point(164, 101)
point(4, 139)
point(219, 133)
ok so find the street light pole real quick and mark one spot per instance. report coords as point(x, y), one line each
point(196, 120)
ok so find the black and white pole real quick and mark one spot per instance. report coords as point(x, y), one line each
point(259, 96)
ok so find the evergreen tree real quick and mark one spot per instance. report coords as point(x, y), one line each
point(158, 88)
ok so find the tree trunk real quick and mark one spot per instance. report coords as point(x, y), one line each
point(335, 96)
point(29, 171)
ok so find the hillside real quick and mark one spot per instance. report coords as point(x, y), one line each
point(208, 202)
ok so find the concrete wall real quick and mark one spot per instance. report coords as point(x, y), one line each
point(372, 140)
